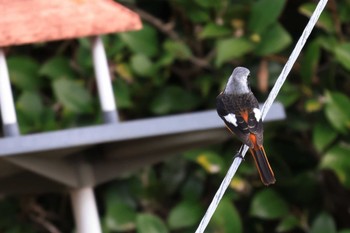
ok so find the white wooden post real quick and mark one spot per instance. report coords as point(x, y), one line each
point(83, 200)
point(85, 210)
point(103, 81)
point(8, 113)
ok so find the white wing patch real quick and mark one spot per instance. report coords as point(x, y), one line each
point(257, 114)
point(231, 118)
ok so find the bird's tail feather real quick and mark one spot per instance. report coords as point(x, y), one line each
point(263, 166)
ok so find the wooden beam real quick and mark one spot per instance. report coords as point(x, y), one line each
point(33, 21)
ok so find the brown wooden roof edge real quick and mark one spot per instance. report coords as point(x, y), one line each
point(33, 21)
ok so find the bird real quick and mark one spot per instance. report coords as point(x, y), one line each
point(239, 109)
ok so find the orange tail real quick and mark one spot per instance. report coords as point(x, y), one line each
point(263, 166)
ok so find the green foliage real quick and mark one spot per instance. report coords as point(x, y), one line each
point(177, 50)
point(338, 160)
point(288, 223)
point(323, 136)
point(11, 221)
point(324, 223)
point(173, 99)
point(274, 39)
point(185, 214)
point(72, 95)
point(229, 49)
point(147, 223)
point(325, 21)
point(342, 54)
point(268, 204)
point(24, 72)
point(310, 62)
point(212, 30)
point(120, 215)
point(264, 13)
point(57, 67)
point(226, 217)
point(337, 111)
point(142, 65)
point(144, 41)
point(211, 161)
point(177, 63)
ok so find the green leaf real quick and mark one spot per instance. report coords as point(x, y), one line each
point(144, 41)
point(226, 218)
point(49, 121)
point(337, 110)
point(208, 3)
point(323, 135)
point(185, 214)
point(177, 49)
point(57, 67)
point(124, 70)
point(72, 95)
point(305, 181)
point(344, 231)
point(324, 223)
point(274, 39)
point(212, 30)
point(198, 15)
point(23, 72)
point(313, 105)
point(343, 11)
point(287, 224)
point(328, 42)
point(209, 160)
point(173, 99)
point(325, 21)
point(120, 216)
point(30, 104)
point(83, 56)
point(120, 209)
point(342, 54)
point(228, 49)
point(309, 62)
point(122, 94)
point(264, 13)
point(114, 45)
point(267, 204)
point(337, 159)
point(193, 188)
point(204, 83)
point(165, 60)
point(142, 65)
point(289, 94)
point(172, 175)
point(148, 223)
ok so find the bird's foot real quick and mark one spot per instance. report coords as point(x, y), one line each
point(239, 155)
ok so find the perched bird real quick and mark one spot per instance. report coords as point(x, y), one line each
point(239, 109)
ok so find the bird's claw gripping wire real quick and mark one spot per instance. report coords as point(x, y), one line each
point(239, 154)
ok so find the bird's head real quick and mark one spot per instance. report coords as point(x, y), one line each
point(238, 82)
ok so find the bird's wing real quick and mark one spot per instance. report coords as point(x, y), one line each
point(236, 123)
point(255, 124)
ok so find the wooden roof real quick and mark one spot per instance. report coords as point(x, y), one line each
point(31, 21)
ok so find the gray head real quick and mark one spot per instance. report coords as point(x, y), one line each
point(238, 82)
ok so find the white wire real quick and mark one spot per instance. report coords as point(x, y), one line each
point(266, 107)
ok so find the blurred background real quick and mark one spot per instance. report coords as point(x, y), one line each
point(179, 62)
